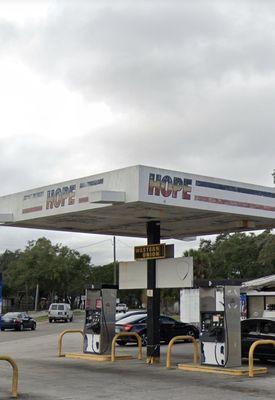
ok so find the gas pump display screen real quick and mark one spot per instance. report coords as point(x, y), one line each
point(93, 322)
point(212, 327)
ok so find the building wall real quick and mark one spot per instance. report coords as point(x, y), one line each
point(270, 300)
point(255, 306)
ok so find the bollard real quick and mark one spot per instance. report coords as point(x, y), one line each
point(251, 354)
point(121, 334)
point(172, 342)
point(60, 337)
point(14, 375)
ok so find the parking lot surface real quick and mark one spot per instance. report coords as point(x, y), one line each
point(44, 376)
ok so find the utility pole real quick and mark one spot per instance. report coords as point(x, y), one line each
point(36, 298)
point(27, 296)
point(273, 174)
point(114, 244)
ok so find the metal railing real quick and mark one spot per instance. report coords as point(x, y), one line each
point(251, 354)
point(121, 334)
point(14, 374)
point(175, 339)
point(60, 337)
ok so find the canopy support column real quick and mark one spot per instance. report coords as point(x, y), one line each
point(153, 298)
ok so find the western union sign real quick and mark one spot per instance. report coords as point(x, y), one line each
point(151, 251)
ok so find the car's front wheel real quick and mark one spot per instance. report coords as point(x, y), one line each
point(33, 327)
point(20, 328)
point(191, 332)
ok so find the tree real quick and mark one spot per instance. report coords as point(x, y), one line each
point(234, 256)
point(103, 274)
point(6, 260)
point(201, 262)
point(266, 257)
point(58, 270)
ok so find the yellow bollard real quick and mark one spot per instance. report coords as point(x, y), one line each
point(121, 334)
point(60, 337)
point(172, 342)
point(14, 375)
point(251, 354)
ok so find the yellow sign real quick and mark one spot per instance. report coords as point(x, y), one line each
point(151, 251)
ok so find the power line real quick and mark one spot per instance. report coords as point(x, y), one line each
point(92, 244)
point(125, 244)
point(77, 247)
point(70, 245)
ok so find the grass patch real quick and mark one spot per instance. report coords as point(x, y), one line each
point(41, 318)
point(79, 312)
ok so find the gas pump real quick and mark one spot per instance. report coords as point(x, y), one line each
point(220, 336)
point(99, 325)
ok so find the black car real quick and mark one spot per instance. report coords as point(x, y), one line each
point(169, 328)
point(17, 321)
point(256, 329)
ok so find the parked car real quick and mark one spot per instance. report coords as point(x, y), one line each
point(169, 328)
point(60, 312)
point(17, 321)
point(121, 307)
point(120, 316)
point(253, 329)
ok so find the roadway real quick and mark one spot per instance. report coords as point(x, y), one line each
point(44, 376)
point(42, 329)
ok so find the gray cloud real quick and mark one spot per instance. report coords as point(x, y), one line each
point(190, 73)
point(9, 36)
point(26, 162)
point(194, 83)
point(148, 55)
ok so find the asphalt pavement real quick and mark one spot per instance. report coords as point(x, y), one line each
point(44, 376)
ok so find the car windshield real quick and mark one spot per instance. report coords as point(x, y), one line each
point(12, 315)
point(120, 316)
point(133, 319)
point(61, 307)
point(54, 307)
point(166, 320)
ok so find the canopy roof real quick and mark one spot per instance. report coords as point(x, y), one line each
point(266, 282)
point(120, 202)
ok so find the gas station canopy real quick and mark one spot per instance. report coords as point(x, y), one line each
point(121, 202)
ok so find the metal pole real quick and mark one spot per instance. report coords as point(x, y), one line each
point(27, 296)
point(36, 297)
point(153, 298)
point(114, 244)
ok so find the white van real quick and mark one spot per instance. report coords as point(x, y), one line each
point(60, 312)
point(121, 307)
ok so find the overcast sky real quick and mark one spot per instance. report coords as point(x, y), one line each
point(91, 86)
